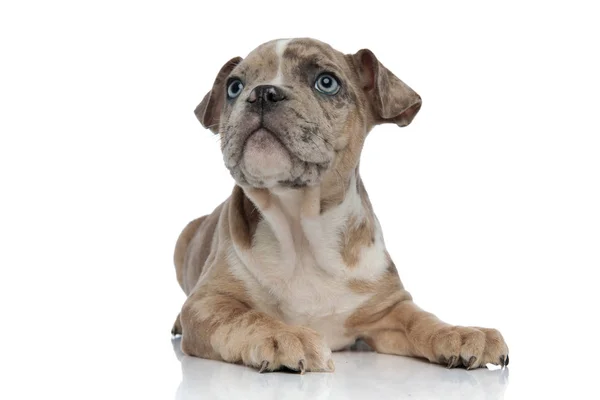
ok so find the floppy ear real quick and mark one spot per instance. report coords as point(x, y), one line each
point(391, 99)
point(209, 110)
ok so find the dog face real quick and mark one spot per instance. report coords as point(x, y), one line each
point(295, 112)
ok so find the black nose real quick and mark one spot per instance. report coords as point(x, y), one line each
point(266, 93)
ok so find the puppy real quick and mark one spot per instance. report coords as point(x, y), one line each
point(293, 265)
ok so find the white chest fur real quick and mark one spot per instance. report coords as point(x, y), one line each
point(295, 271)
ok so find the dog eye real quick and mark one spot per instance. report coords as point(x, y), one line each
point(327, 84)
point(234, 88)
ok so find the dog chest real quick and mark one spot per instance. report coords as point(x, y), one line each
point(295, 269)
point(302, 293)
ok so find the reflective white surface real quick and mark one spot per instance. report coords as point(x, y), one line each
point(358, 375)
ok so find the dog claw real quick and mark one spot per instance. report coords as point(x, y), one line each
point(452, 362)
point(302, 367)
point(263, 367)
point(506, 360)
point(471, 362)
point(331, 365)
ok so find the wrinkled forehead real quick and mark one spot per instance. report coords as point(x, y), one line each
point(287, 60)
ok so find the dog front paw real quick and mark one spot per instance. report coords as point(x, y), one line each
point(298, 349)
point(469, 347)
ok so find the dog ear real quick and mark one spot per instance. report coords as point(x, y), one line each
point(391, 99)
point(209, 110)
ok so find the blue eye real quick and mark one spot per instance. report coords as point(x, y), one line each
point(327, 84)
point(234, 88)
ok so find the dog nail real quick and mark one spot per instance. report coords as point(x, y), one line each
point(506, 360)
point(263, 367)
point(302, 367)
point(452, 362)
point(331, 365)
point(471, 362)
point(503, 361)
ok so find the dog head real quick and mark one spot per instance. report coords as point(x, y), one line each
point(295, 112)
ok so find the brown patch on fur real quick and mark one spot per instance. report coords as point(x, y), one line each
point(330, 202)
point(243, 218)
point(362, 286)
point(252, 215)
point(358, 234)
point(387, 292)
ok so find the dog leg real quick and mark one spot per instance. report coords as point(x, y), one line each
point(219, 327)
point(408, 330)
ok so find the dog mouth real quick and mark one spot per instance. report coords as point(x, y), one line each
point(266, 161)
point(265, 156)
point(293, 184)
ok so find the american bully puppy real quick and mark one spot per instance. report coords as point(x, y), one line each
point(293, 265)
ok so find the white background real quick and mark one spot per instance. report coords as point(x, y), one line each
point(489, 201)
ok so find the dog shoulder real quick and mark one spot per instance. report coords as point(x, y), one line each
point(194, 246)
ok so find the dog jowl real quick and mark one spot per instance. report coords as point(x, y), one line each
point(293, 265)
